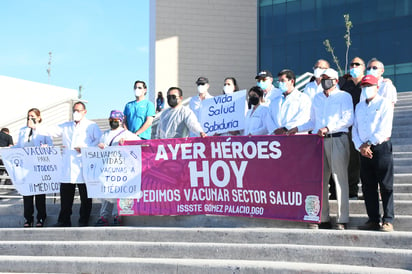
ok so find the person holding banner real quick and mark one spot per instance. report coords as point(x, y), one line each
point(196, 101)
point(29, 137)
point(290, 109)
point(76, 134)
point(255, 121)
point(112, 137)
point(178, 120)
point(330, 118)
point(230, 85)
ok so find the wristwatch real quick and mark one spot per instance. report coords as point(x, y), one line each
point(369, 143)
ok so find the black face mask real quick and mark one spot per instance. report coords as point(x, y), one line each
point(326, 83)
point(253, 100)
point(172, 100)
point(114, 124)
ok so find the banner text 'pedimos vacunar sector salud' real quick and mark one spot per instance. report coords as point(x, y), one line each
point(278, 177)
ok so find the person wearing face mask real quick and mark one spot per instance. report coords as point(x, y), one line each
point(113, 137)
point(230, 85)
point(264, 80)
point(386, 87)
point(351, 84)
point(139, 113)
point(178, 120)
point(330, 118)
point(29, 137)
point(314, 87)
point(202, 84)
point(255, 120)
point(76, 134)
point(290, 109)
point(372, 129)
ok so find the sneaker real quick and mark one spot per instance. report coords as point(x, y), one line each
point(370, 226)
point(340, 226)
point(387, 227)
point(101, 222)
point(117, 220)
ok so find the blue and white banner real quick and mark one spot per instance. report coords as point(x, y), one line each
point(33, 170)
point(112, 172)
point(223, 113)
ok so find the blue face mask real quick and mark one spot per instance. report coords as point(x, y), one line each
point(368, 92)
point(373, 72)
point(283, 86)
point(355, 72)
point(263, 84)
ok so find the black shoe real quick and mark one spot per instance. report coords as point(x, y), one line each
point(60, 224)
point(82, 224)
point(40, 223)
point(28, 224)
point(325, 225)
point(370, 226)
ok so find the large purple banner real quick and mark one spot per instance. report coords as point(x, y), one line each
point(276, 177)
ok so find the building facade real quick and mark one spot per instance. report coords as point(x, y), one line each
point(210, 38)
point(291, 34)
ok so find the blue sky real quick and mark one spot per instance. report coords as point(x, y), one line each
point(99, 44)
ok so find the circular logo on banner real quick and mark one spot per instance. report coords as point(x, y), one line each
point(312, 205)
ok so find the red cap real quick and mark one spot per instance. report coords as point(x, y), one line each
point(369, 79)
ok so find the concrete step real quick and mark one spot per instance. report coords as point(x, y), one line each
point(402, 148)
point(400, 141)
point(402, 169)
point(68, 249)
point(181, 266)
point(402, 155)
point(234, 235)
point(402, 178)
point(361, 256)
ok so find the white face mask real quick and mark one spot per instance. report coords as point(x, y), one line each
point(77, 116)
point(228, 89)
point(318, 72)
point(368, 92)
point(202, 88)
point(138, 92)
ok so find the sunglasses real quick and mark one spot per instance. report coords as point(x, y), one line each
point(355, 64)
point(374, 68)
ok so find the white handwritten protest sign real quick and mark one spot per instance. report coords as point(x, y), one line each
point(113, 172)
point(223, 113)
point(33, 170)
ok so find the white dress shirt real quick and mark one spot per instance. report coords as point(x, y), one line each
point(255, 121)
point(334, 112)
point(290, 111)
point(312, 88)
point(85, 133)
point(195, 105)
point(270, 96)
point(373, 121)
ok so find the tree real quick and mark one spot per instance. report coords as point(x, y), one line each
point(348, 41)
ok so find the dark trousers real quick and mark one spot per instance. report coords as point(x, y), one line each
point(29, 207)
point(67, 191)
point(375, 172)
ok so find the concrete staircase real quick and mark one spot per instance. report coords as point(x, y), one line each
point(218, 244)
